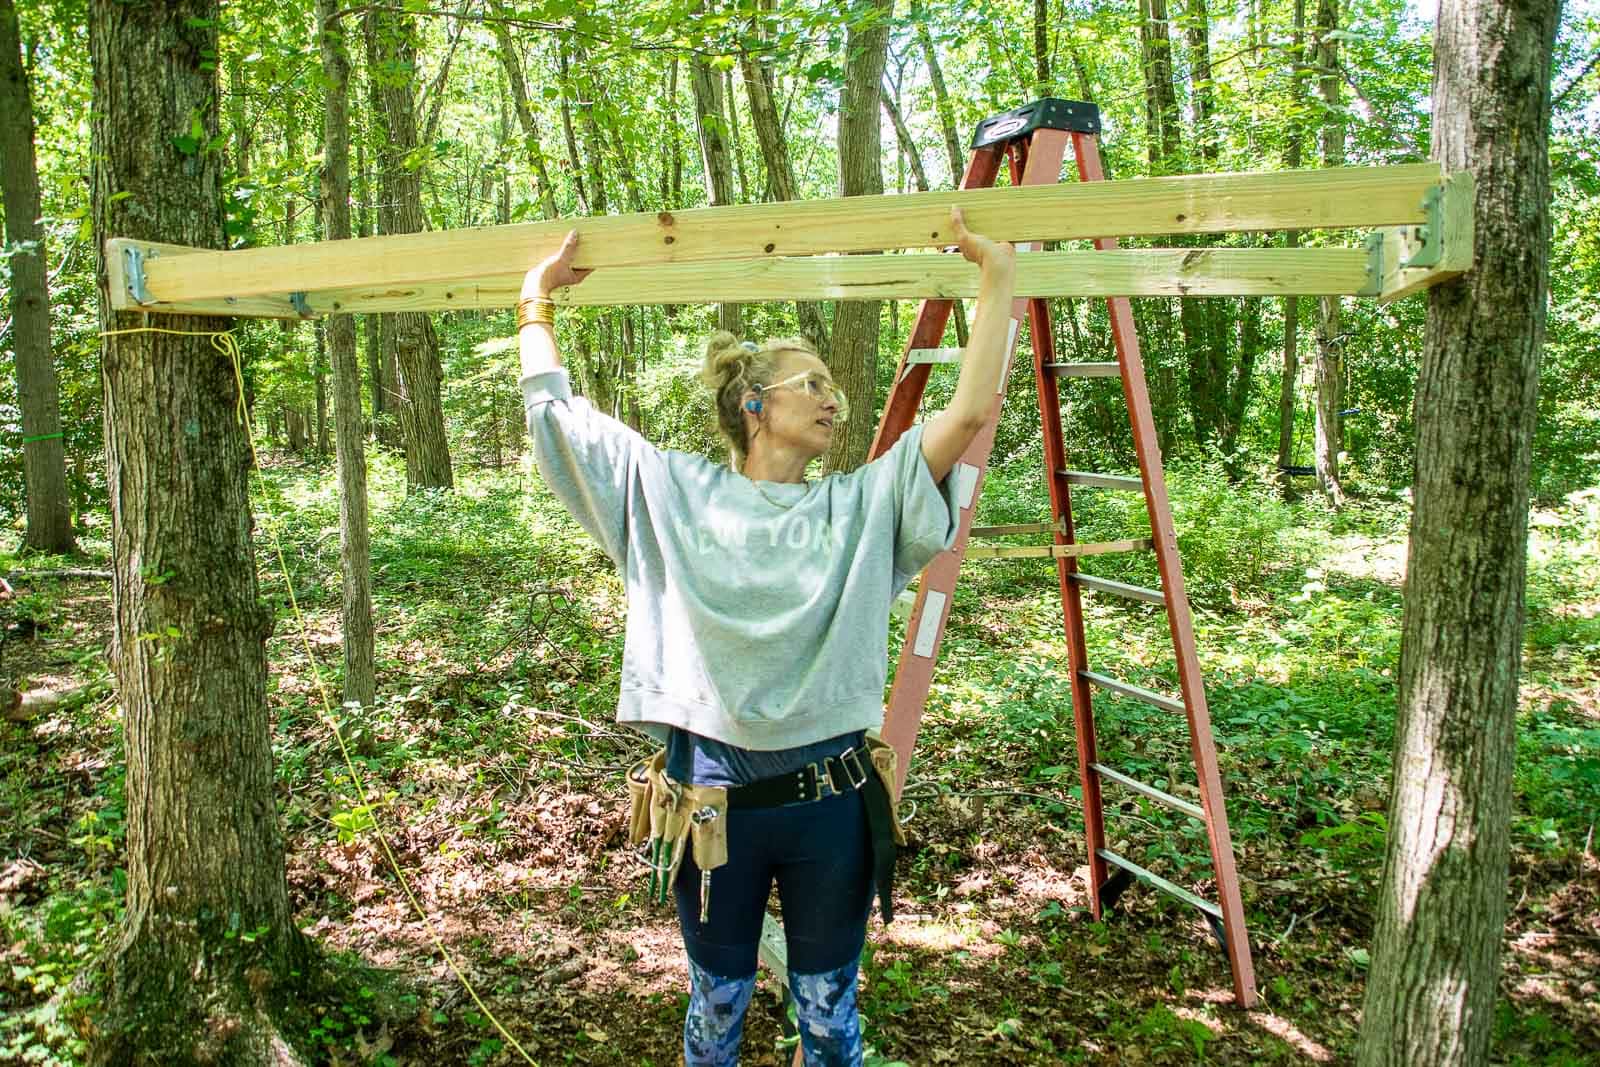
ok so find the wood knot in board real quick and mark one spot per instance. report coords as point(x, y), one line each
point(665, 218)
point(1182, 217)
point(769, 247)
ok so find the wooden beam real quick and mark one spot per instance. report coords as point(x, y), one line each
point(1124, 272)
point(1333, 198)
point(1450, 224)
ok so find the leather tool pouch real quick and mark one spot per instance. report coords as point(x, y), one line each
point(674, 817)
point(886, 761)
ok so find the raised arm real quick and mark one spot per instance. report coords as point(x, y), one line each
point(536, 333)
point(950, 432)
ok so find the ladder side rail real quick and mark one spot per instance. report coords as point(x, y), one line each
point(1049, 397)
point(1087, 154)
point(910, 379)
point(908, 696)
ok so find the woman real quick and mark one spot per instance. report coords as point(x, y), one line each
point(756, 645)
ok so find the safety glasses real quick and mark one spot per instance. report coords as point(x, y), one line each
point(820, 388)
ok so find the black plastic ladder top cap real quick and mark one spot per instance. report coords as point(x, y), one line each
point(1048, 113)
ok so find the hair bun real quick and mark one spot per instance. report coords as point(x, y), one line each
point(726, 360)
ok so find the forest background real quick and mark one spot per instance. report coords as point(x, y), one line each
point(482, 113)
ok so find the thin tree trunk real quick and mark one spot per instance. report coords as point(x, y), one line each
point(44, 459)
point(1197, 32)
point(733, 135)
point(355, 563)
point(1160, 98)
point(941, 99)
point(1442, 904)
point(391, 46)
point(711, 126)
point(908, 145)
point(205, 855)
point(1329, 434)
point(1041, 47)
point(512, 65)
point(780, 175)
point(1288, 383)
point(854, 348)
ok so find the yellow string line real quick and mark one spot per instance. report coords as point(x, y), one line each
point(227, 345)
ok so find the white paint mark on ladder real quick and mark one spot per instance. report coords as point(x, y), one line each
point(966, 483)
point(932, 619)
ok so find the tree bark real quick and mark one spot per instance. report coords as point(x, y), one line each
point(1041, 47)
point(205, 855)
point(44, 457)
point(941, 99)
point(780, 175)
point(1329, 436)
point(355, 562)
point(1289, 382)
point(1442, 905)
point(854, 348)
point(519, 95)
point(391, 48)
point(908, 144)
point(1197, 32)
point(711, 126)
point(1160, 98)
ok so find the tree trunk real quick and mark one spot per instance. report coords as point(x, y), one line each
point(391, 46)
point(44, 458)
point(908, 144)
point(780, 175)
point(941, 99)
point(1330, 344)
point(354, 556)
point(1197, 32)
point(519, 95)
point(733, 135)
point(1288, 384)
point(1442, 905)
point(1041, 48)
point(1160, 98)
point(205, 856)
point(854, 348)
point(711, 126)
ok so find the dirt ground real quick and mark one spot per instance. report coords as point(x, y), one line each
point(522, 867)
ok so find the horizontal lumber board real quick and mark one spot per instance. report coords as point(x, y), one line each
point(1333, 198)
point(915, 276)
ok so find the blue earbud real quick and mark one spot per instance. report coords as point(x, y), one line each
point(753, 406)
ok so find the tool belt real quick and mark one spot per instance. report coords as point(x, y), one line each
point(673, 817)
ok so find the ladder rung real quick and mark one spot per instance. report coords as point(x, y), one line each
point(1149, 696)
point(1017, 528)
point(1083, 370)
point(1057, 551)
point(772, 948)
point(1103, 481)
point(1194, 811)
point(1132, 592)
point(933, 355)
point(1161, 883)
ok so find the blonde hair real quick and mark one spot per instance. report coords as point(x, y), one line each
point(734, 367)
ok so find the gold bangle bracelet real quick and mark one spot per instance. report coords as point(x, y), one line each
point(536, 309)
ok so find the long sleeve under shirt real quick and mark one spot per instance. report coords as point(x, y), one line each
point(754, 623)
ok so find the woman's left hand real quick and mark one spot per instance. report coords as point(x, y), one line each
point(976, 248)
point(555, 271)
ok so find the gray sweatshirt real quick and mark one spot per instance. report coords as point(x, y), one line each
point(761, 623)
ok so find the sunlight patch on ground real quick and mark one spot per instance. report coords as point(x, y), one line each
point(1289, 1034)
point(938, 936)
point(1360, 556)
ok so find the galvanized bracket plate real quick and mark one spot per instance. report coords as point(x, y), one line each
point(133, 275)
point(297, 300)
point(1374, 284)
point(1427, 237)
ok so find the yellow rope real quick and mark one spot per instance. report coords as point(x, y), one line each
point(227, 345)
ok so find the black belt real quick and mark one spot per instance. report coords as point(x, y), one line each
point(850, 771)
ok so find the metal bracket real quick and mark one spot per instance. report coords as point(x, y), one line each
point(1428, 250)
point(133, 276)
point(1374, 244)
point(1049, 113)
point(297, 300)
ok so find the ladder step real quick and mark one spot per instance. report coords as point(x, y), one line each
point(1149, 696)
point(1194, 811)
point(1083, 370)
point(1057, 551)
point(1132, 592)
point(933, 355)
point(903, 604)
point(1171, 888)
point(1017, 528)
point(1103, 481)
point(772, 949)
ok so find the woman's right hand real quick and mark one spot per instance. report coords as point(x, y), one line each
point(554, 271)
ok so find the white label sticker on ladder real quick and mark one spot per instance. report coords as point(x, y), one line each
point(932, 617)
point(1011, 352)
point(966, 483)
